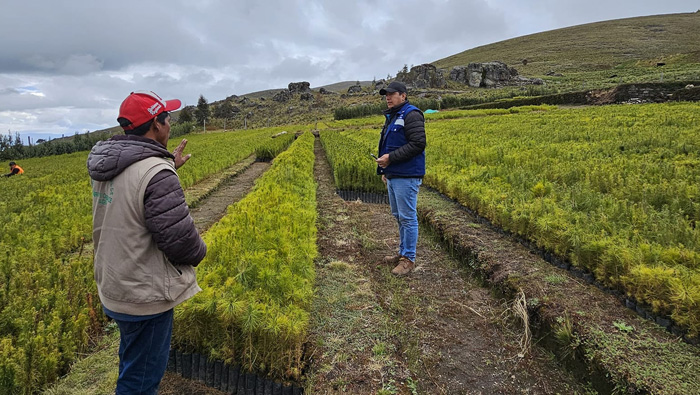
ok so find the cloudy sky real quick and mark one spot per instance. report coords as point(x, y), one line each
point(65, 66)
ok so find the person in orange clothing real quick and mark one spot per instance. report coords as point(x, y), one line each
point(14, 169)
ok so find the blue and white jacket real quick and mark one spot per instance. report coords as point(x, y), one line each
point(403, 138)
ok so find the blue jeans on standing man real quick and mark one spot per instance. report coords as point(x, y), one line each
point(403, 197)
point(144, 349)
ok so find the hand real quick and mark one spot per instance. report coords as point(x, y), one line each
point(177, 153)
point(383, 178)
point(383, 161)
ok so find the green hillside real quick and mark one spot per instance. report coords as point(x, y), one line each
point(642, 41)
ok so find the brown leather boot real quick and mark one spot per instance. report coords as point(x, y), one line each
point(404, 267)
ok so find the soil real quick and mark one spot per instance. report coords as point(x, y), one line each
point(213, 207)
point(433, 331)
point(173, 384)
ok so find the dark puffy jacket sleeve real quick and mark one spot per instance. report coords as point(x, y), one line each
point(414, 130)
point(169, 221)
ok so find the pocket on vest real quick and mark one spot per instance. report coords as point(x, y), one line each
point(178, 280)
point(133, 285)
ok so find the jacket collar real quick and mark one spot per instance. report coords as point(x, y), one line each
point(133, 137)
point(391, 112)
point(107, 159)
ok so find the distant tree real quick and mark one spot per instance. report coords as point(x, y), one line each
point(202, 112)
point(225, 110)
point(405, 69)
point(185, 115)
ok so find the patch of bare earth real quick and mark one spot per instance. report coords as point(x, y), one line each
point(435, 331)
point(174, 384)
point(214, 206)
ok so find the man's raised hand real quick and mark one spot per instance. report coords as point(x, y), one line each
point(177, 153)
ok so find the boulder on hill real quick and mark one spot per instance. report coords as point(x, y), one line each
point(299, 87)
point(355, 89)
point(378, 85)
point(325, 91)
point(308, 96)
point(459, 74)
point(282, 96)
point(490, 75)
point(423, 76)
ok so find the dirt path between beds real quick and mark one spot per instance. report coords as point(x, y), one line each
point(435, 331)
point(213, 207)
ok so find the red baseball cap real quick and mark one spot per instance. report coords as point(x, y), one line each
point(142, 106)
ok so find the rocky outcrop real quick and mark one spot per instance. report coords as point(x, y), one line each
point(459, 74)
point(379, 84)
point(282, 96)
point(520, 81)
point(299, 87)
point(490, 75)
point(355, 89)
point(423, 76)
point(303, 89)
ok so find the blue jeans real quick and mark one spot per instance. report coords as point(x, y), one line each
point(144, 348)
point(403, 196)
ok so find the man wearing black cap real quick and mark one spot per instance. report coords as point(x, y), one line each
point(401, 164)
point(145, 241)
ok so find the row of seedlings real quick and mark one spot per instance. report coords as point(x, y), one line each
point(258, 275)
point(613, 190)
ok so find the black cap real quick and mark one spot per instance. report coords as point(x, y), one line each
point(12, 163)
point(395, 86)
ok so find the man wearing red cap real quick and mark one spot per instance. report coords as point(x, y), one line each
point(145, 241)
